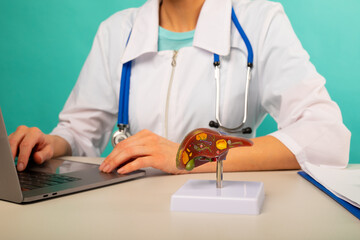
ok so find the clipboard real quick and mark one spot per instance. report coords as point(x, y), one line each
point(351, 208)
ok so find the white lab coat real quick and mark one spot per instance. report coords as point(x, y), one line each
point(284, 82)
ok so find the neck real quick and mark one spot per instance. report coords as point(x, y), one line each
point(179, 15)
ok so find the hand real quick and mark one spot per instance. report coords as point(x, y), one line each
point(144, 149)
point(27, 141)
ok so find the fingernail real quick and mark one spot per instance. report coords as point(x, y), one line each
point(120, 171)
point(101, 166)
point(20, 166)
point(107, 168)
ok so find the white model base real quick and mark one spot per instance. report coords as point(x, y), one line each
point(235, 197)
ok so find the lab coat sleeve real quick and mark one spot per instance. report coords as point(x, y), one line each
point(294, 94)
point(89, 114)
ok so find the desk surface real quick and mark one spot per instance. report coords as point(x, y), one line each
point(140, 209)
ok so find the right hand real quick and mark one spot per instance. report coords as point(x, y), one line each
point(26, 142)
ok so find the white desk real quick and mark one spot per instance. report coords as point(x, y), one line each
point(140, 209)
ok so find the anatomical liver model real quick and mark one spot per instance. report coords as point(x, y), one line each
point(204, 145)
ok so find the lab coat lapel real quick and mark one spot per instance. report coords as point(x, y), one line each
point(213, 27)
point(144, 34)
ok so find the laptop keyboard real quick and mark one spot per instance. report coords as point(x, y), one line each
point(33, 180)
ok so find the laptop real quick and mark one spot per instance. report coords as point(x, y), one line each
point(53, 178)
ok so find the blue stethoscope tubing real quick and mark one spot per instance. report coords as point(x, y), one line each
point(236, 22)
point(244, 37)
point(123, 113)
point(250, 59)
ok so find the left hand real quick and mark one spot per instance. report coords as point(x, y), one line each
point(144, 149)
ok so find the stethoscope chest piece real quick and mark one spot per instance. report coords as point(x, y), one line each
point(121, 134)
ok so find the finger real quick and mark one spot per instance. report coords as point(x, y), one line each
point(140, 139)
point(41, 155)
point(136, 140)
point(26, 146)
point(141, 162)
point(107, 163)
point(15, 139)
point(123, 156)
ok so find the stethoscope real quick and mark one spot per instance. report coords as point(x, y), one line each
point(123, 131)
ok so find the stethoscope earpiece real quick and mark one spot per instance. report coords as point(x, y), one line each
point(214, 124)
point(246, 130)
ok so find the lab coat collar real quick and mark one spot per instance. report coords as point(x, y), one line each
point(213, 27)
point(144, 33)
point(212, 31)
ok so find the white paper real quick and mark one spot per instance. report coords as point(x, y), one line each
point(343, 182)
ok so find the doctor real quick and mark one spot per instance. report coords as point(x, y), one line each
point(171, 46)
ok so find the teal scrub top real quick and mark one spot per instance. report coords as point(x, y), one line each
point(169, 40)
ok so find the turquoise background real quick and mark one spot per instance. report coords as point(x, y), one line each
point(44, 43)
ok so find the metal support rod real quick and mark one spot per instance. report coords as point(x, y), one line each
point(219, 173)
